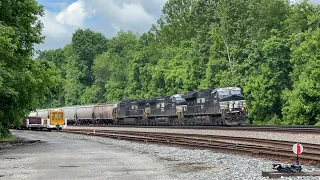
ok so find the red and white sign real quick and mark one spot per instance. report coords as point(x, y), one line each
point(297, 148)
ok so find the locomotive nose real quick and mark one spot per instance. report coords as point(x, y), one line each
point(233, 102)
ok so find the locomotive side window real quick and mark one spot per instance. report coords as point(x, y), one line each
point(232, 92)
point(134, 107)
point(180, 99)
point(224, 93)
point(161, 105)
point(201, 100)
point(235, 92)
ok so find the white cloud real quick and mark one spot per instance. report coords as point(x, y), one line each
point(57, 34)
point(133, 13)
point(75, 14)
point(310, 1)
point(58, 5)
point(315, 1)
point(129, 15)
point(52, 28)
point(105, 16)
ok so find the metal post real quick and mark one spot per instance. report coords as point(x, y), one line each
point(298, 153)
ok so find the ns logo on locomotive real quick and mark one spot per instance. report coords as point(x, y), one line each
point(220, 106)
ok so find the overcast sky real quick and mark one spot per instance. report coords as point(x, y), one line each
point(63, 17)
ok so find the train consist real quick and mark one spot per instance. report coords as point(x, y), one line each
point(45, 119)
point(221, 106)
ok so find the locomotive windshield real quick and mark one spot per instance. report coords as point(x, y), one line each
point(180, 99)
point(177, 98)
point(227, 92)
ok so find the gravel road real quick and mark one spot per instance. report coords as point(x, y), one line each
point(160, 161)
point(64, 157)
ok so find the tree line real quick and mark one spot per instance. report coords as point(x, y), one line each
point(270, 48)
point(24, 83)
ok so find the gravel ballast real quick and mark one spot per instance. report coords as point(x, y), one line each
point(295, 137)
point(196, 164)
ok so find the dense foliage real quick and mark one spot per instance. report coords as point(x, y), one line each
point(24, 83)
point(270, 48)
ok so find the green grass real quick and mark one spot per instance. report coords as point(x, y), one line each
point(7, 139)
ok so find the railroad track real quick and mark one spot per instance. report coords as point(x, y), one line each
point(264, 128)
point(273, 149)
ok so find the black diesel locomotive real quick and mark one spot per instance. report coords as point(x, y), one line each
point(221, 106)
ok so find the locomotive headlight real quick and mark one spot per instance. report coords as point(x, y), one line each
point(242, 109)
point(230, 109)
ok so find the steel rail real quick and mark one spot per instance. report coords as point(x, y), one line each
point(280, 152)
point(293, 129)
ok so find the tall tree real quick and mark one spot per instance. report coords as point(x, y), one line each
point(23, 82)
point(86, 45)
point(122, 50)
point(73, 88)
point(266, 84)
point(175, 24)
point(56, 56)
point(302, 101)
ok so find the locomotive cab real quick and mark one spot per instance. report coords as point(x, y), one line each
point(230, 99)
point(231, 105)
point(179, 106)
